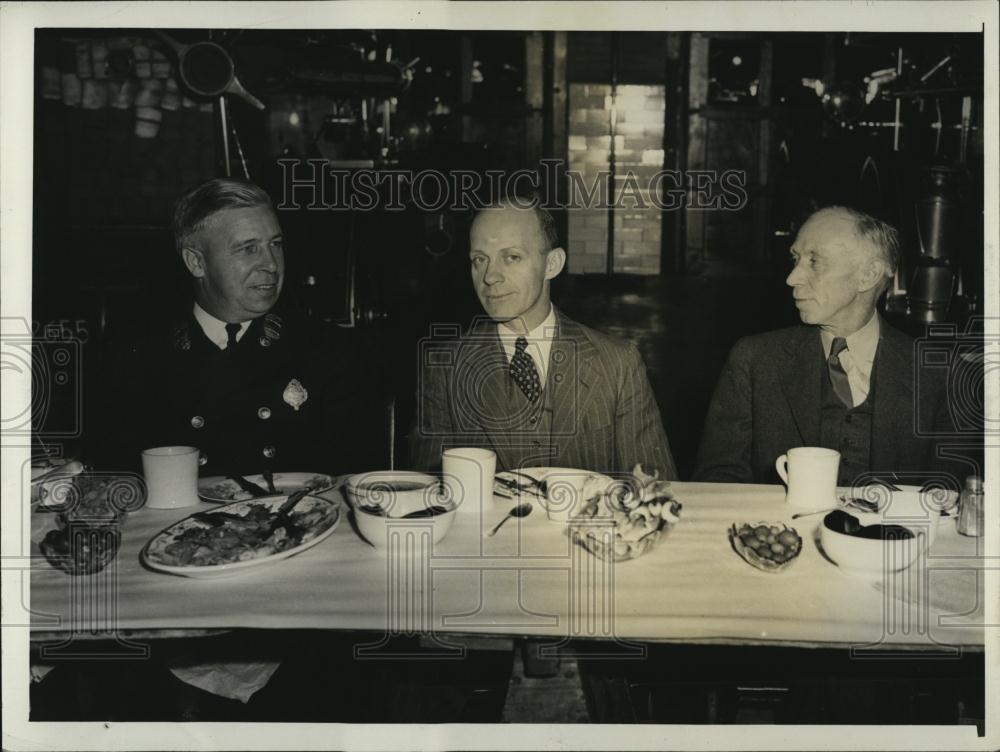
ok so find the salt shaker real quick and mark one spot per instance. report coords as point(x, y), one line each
point(970, 507)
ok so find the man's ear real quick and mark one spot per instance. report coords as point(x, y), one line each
point(194, 261)
point(870, 275)
point(555, 260)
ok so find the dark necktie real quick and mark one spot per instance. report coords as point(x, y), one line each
point(231, 331)
point(522, 370)
point(838, 376)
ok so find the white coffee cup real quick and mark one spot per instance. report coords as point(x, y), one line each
point(564, 493)
point(171, 474)
point(467, 473)
point(811, 476)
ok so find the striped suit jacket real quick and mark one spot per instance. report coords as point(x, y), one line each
point(604, 417)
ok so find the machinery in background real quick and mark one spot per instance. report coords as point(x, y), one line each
point(935, 258)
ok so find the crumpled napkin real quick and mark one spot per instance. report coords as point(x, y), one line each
point(235, 680)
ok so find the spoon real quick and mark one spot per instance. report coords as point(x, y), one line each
point(862, 505)
point(521, 510)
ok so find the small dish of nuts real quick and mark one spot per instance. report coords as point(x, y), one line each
point(768, 546)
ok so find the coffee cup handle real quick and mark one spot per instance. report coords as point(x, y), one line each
point(781, 465)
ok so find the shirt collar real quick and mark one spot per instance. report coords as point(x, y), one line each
point(861, 345)
point(215, 329)
point(544, 332)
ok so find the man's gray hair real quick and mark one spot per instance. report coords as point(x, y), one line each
point(196, 206)
point(883, 237)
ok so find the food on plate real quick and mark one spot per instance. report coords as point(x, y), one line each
point(225, 537)
point(89, 511)
point(81, 549)
point(769, 546)
point(640, 512)
point(229, 490)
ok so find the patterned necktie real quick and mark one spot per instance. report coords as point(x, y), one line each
point(838, 376)
point(231, 331)
point(522, 370)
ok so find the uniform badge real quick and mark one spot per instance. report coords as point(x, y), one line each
point(295, 394)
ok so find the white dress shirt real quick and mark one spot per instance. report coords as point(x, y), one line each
point(215, 329)
point(539, 343)
point(858, 358)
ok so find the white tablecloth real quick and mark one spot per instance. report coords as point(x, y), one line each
point(530, 580)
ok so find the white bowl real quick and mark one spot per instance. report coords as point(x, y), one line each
point(377, 528)
point(915, 507)
point(398, 492)
point(874, 556)
point(53, 482)
point(382, 499)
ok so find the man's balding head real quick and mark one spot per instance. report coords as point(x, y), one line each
point(844, 260)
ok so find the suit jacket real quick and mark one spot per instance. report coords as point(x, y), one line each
point(604, 415)
point(768, 401)
point(243, 409)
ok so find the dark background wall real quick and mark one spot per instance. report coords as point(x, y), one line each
point(105, 179)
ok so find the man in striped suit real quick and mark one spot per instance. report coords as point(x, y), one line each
point(528, 382)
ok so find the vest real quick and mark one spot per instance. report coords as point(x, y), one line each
point(848, 430)
point(532, 425)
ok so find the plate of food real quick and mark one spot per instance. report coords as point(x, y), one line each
point(236, 537)
point(219, 488)
point(627, 519)
point(84, 533)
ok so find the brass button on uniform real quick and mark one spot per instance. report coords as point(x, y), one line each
point(532, 420)
point(197, 421)
point(202, 459)
point(269, 451)
point(264, 342)
point(264, 413)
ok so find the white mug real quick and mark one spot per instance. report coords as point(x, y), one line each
point(564, 493)
point(811, 476)
point(467, 473)
point(171, 474)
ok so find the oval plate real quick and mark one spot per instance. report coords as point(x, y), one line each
point(153, 552)
point(217, 488)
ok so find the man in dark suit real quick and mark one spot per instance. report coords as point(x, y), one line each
point(844, 381)
point(234, 377)
point(528, 382)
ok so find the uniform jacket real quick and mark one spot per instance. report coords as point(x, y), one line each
point(605, 417)
point(767, 401)
point(273, 402)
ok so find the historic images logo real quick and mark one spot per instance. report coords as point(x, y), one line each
point(313, 184)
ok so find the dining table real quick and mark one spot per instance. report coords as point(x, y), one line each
point(531, 580)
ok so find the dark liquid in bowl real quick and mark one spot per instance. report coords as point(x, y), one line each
point(393, 485)
point(841, 522)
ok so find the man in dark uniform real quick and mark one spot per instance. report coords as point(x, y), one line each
point(235, 378)
point(244, 384)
